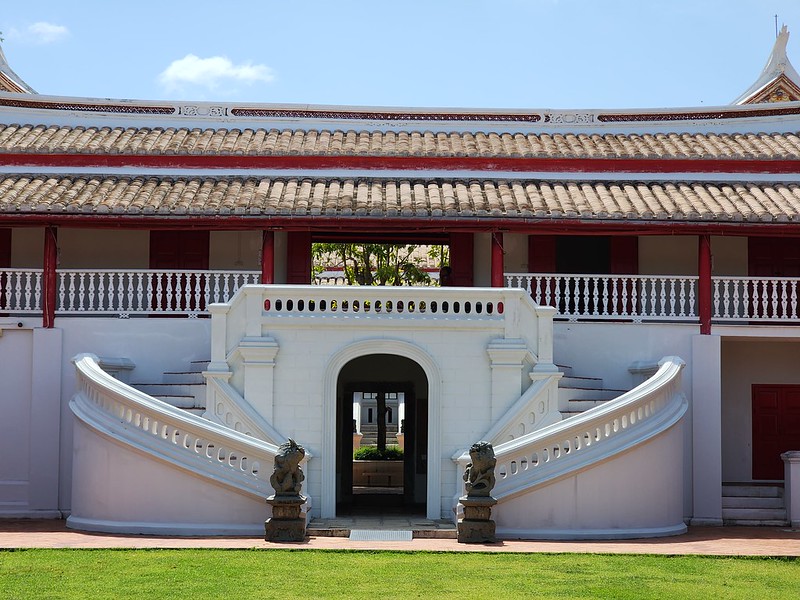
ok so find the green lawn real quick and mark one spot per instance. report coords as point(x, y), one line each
point(245, 574)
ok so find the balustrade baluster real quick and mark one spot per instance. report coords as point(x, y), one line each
point(794, 299)
point(91, 293)
point(62, 291)
point(662, 298)
point(587, 290)
point(28, 290)
point(784, 299)
point(672, 297)
point(605, 294)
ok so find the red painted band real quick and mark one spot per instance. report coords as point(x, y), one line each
point(404, 163)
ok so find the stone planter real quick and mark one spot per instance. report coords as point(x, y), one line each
point(378, 473)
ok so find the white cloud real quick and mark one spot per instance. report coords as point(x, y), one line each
point(40, 32)
point(211, 72)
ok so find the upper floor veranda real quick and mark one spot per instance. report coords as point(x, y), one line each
point(647, 278)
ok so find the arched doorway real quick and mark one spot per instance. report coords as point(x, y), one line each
point(379, 396)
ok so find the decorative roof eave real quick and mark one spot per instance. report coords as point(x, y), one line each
point(94, 112)
point(10, 81)
point(777, 74)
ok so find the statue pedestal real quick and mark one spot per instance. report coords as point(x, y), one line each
point(477, 526)
point(287, 523)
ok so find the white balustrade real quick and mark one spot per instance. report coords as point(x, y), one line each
point(575, 443)
point(193, 443)
point(21, 291)
point(755, 299)
point(145, 292)
point(612, 297)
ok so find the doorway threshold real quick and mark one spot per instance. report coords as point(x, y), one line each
point(419, 527)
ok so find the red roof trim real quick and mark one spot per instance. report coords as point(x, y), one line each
point(411, 225)
point(698, 116)
point(404, 163)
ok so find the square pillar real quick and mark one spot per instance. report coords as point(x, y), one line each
point(791, 486)
point(507, 362)
point(258, 362)
point(706, 430)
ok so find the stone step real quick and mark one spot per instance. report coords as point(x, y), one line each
point(589, 394)
point(755, 523)
point(752, 502)
point(757, 491)
point(754, 514)
point(579, 406)
point(187, 402)
point(189, 377)
point(591, 383)
point(565, 369)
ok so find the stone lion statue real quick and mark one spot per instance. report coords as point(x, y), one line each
point(479, 475)
point(287, 476)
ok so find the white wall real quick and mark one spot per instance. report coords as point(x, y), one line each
point(745, 362)
point(29, 427)
point(154, 345)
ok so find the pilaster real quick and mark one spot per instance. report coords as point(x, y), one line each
point(258, 364)
point(791, 486)
point(706, 430)
point(507, 358)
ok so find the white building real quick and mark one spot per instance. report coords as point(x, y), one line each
point(637, 237)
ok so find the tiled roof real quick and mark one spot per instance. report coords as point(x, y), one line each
point(177, 141)
point(726, 202)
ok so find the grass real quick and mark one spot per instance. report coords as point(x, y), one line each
point(43, 574)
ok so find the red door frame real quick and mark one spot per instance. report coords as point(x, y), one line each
point(776, 427)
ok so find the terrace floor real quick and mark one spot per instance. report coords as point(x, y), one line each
point(713, 541)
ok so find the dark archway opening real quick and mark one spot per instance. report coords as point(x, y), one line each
point(394, 389)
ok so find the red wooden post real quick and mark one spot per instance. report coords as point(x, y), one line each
point(298, 258)
point(704, 283)
point(497, 260)
point(49, 280)
point(461, 259)
point(268, 257)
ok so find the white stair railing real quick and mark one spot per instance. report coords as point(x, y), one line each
point(184, 440)
point(563, 448)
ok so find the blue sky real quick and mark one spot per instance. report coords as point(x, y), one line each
point(456, 53)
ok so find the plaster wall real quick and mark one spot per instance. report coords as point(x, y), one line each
point(29, 427)
point(677, 255)
point(153, 345)
point(108, 482)
point(618, 498)
point(744, 363)
point(464, 399)
point(482, 260)
point(27, 247)
point(235, 250)
point(515, 250)
point(102, 249)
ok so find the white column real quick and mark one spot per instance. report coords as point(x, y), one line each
point(706, 430)
point(791, 486)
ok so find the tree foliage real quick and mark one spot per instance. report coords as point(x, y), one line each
point(375, 264)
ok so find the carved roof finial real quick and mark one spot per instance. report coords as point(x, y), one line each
point(778, 82)
point(10, 81)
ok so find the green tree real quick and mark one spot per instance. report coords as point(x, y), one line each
point(373, 264)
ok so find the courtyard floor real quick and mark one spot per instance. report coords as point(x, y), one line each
point(713, 541)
